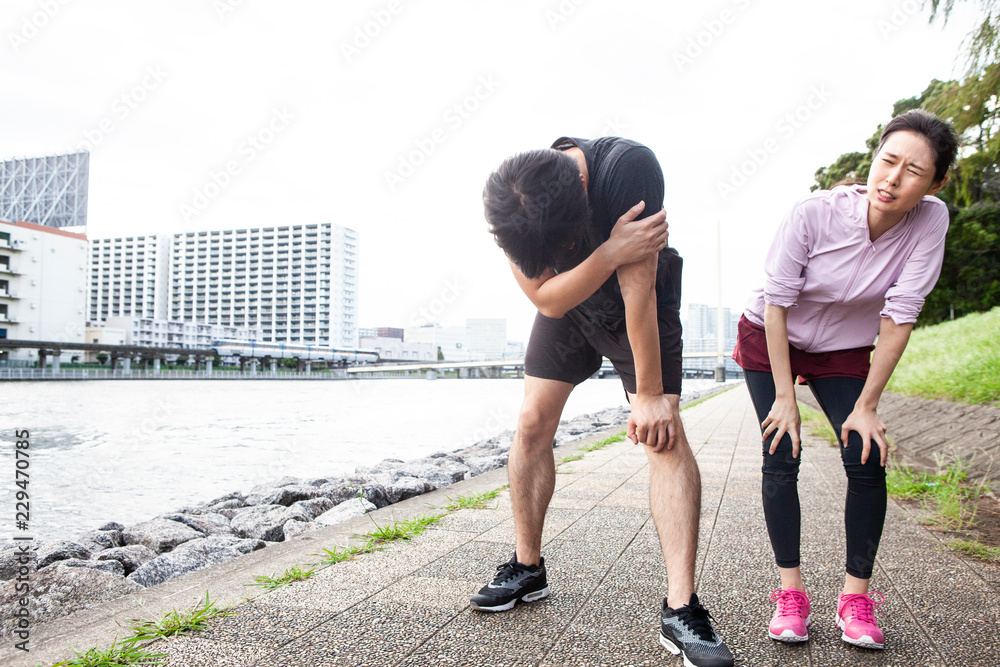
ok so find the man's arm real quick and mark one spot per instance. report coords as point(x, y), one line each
point(555, 294)
point(651, 421)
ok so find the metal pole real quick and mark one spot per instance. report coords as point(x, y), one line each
point(720, 366)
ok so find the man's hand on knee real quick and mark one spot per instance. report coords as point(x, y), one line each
point(653, 422)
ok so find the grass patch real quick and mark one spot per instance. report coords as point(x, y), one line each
point(124, 653)
point(906, 483)
point(478, 501)
point(954, 361)
point(131, 650)
point(817, 423)
point(601, 444)
point(294, 573)
point(947, 492)
point(400, 530)
point(178, 622)
point(570, 458)
point(338, 555)
point(705, 398)
point(977, 550)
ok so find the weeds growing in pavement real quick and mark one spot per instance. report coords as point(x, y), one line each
point(701, 400)
point(400, 530)
point(338, 555)
point(571, 457)
point(977, 549)
point(124, 653)
point(817, 423)
point(475, 502)
point(601, 444)
point(294, 573)
point(948, 495)
point(178, 622)
point(132, 650)
point(906, 483)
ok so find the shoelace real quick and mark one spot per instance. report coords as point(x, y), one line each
point(863, 607)
point(506, 572)
point(790, 601)
point(697, 619)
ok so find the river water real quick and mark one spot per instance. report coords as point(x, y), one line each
point(127, 451)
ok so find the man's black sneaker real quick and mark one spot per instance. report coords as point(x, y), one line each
point(513, 582)
point(688, 631)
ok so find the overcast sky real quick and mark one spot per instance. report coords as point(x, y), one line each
point(387, 117)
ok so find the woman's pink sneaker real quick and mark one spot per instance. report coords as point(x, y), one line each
point(791, 617)
point(856, 617)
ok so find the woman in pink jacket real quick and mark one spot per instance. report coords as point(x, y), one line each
point(846, 265)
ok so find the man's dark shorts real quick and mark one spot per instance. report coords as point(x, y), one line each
point(570, 349)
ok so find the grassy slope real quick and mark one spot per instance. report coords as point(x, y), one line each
point(956, 361)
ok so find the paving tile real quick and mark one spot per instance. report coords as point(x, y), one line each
point(408, 605)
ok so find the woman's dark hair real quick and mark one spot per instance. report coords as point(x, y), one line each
point(537, 209)
point(938, 133)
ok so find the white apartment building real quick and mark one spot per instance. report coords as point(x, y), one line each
point(450, 340)
point(152, 332)
point(128, 277)
point(486, 338)
point(43, 283)
point(394, 349)
point(296, 283)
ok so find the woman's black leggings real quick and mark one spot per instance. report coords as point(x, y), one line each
point(864, 512)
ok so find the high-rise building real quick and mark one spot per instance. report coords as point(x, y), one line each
point(49, 191)
point(43, 285)
point(701, 335)
point(128, 277)
point(296, 283)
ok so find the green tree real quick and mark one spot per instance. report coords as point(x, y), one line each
point(982, 44)
point(970, 276)
point(101, 357)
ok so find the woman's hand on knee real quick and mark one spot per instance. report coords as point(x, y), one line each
point(783, 418)
point(871, 429)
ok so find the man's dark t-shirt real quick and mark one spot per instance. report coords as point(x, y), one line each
point(621, 174)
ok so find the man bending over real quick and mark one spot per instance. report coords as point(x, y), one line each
point(605, 285)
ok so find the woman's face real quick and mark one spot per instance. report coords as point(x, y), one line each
point(902, 173)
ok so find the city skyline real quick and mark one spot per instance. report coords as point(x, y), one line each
point(346, 118)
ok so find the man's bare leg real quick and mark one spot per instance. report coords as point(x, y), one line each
point(531, 465)
point(675, 503)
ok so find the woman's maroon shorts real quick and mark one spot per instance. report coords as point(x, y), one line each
point(751, 354)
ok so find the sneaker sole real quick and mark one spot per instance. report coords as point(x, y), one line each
point(863, 642)
point(528, 597)
point(673, 648)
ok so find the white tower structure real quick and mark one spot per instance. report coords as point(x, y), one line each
point(49, 191)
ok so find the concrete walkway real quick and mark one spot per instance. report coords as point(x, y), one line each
point(408, 605)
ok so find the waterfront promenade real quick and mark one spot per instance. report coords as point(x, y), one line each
point(408, 604)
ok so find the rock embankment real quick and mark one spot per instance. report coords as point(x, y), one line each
point(115, 560)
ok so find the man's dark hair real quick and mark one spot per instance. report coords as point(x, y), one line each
point(537, 210)
point(938, 133)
